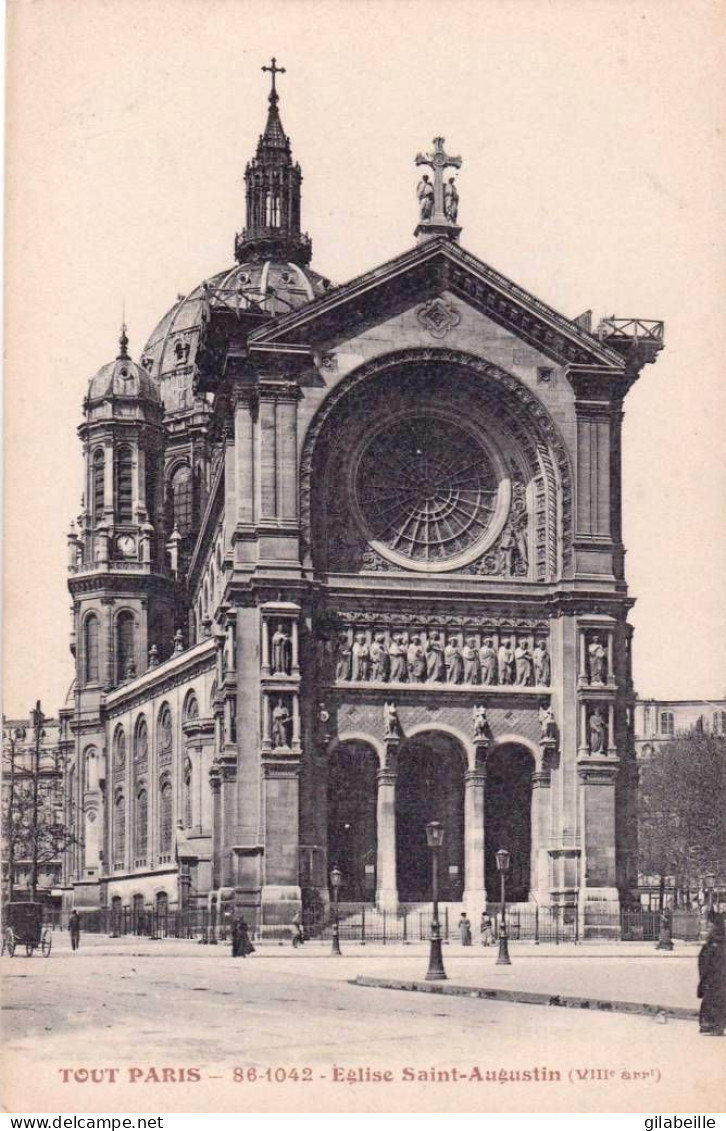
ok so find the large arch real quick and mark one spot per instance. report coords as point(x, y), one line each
point(352, 827)
point(508, 817)
point(511, 419)
point(430, 787)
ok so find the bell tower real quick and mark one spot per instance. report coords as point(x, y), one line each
point(124, 597)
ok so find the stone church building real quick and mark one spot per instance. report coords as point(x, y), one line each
point(350, 560)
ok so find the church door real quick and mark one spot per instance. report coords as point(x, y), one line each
point(508, 819)
point(430, 787)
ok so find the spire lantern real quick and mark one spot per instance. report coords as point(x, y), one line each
point(273, 195)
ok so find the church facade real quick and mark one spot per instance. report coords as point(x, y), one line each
point(350, 560)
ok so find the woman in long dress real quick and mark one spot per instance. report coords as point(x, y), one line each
point(465, 929)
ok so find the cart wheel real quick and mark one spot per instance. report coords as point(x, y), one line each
point(29, 948)
point(9, 941)
point(46, 942)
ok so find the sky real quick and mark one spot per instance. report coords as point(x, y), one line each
point(592, 138)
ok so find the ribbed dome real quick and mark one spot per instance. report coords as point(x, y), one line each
point(268, 287)
point(123, 378)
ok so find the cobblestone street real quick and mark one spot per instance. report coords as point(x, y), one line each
point(138, 1007)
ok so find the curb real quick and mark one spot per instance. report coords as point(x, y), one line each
point(529, 997)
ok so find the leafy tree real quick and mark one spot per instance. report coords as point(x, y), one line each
point(682, 810)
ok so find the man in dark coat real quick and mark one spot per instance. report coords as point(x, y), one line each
point(74, 928)
point(712, 980)
point(241, 942)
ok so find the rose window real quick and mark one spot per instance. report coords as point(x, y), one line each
point(427, 490)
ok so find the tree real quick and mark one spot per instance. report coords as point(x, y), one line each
point(682, 811)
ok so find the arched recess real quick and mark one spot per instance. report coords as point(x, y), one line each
point(430, 787)
point(352, 775)
point(91, 659)
point(126, 659)
point(519, 440)
point(508, 818)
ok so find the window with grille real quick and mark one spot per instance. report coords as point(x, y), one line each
point(119, 830)
point(181, 499)
point(165, 817)
point(98, 472)
point(124, 485)
point(91, 648)
point(667, 723)
point(142, 824)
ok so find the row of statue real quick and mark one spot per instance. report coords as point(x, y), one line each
point(479, 719)
point(511, 664)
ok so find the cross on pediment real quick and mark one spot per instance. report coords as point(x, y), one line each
point(438, 161)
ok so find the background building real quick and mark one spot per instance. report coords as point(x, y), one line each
point(350, 559)
point(657, 720)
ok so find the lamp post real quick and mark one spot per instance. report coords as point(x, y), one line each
point(336, 879)
point(709, 882)
point(502, 858)
point(435, 839)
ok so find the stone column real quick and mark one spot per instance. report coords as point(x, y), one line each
point(474, 877)
point(386, 879)
point(265, 646)
point(539, 879)
point(107, 645)
point(215, 784)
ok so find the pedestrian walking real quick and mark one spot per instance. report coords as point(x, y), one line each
point(298, 935)
point(241, 942)
point(74, 929)
point(712, 980)
point(465, 929)
point(485, 930)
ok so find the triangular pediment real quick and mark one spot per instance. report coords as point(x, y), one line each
point(420, 275)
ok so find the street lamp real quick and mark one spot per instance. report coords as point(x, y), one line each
point(502, 858)
point(709, 882)
point(435, 839)
point(336, 879)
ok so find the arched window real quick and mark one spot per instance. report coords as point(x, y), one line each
point(124, 485)
point(119, 750)
point(187, 793)
point(125, 647)
point(119, 829)
point(191, 707)
point(141, 746)
point(142, 824)
point(165, 816)
point(181, 499)
point(98, 473)
point(667, 723)
point(90, 648)
point(164, 736)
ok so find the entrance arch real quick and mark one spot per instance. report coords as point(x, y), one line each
point(352, 777)
point(508, 818)
point(430, 787)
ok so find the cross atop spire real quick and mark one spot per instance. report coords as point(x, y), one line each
point(274, 70)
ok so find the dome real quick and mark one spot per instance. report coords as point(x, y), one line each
point(123, 378)
point(265, 286)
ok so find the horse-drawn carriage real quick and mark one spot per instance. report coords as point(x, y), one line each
point(24, 927)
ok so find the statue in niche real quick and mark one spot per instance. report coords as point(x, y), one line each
point(470, 654)
point(596, 732)
point(505, 661)
point(416, 661)
point(379, 659)
point(435, 666)
point(488, 659)
point(547, 725)
point(598, 656)
point(542, 664)
point(507, 551)
point(480, 721)
point(523, 661)
point(361, 658)
point(281, 719)
point(451, 201)
point(454, 662)
point(391, 722)
point(425, 194)
point(342, 662)
point(281, 652)
point(397, 658)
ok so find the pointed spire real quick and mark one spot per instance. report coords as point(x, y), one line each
point(273, 182)
point(123, 354)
